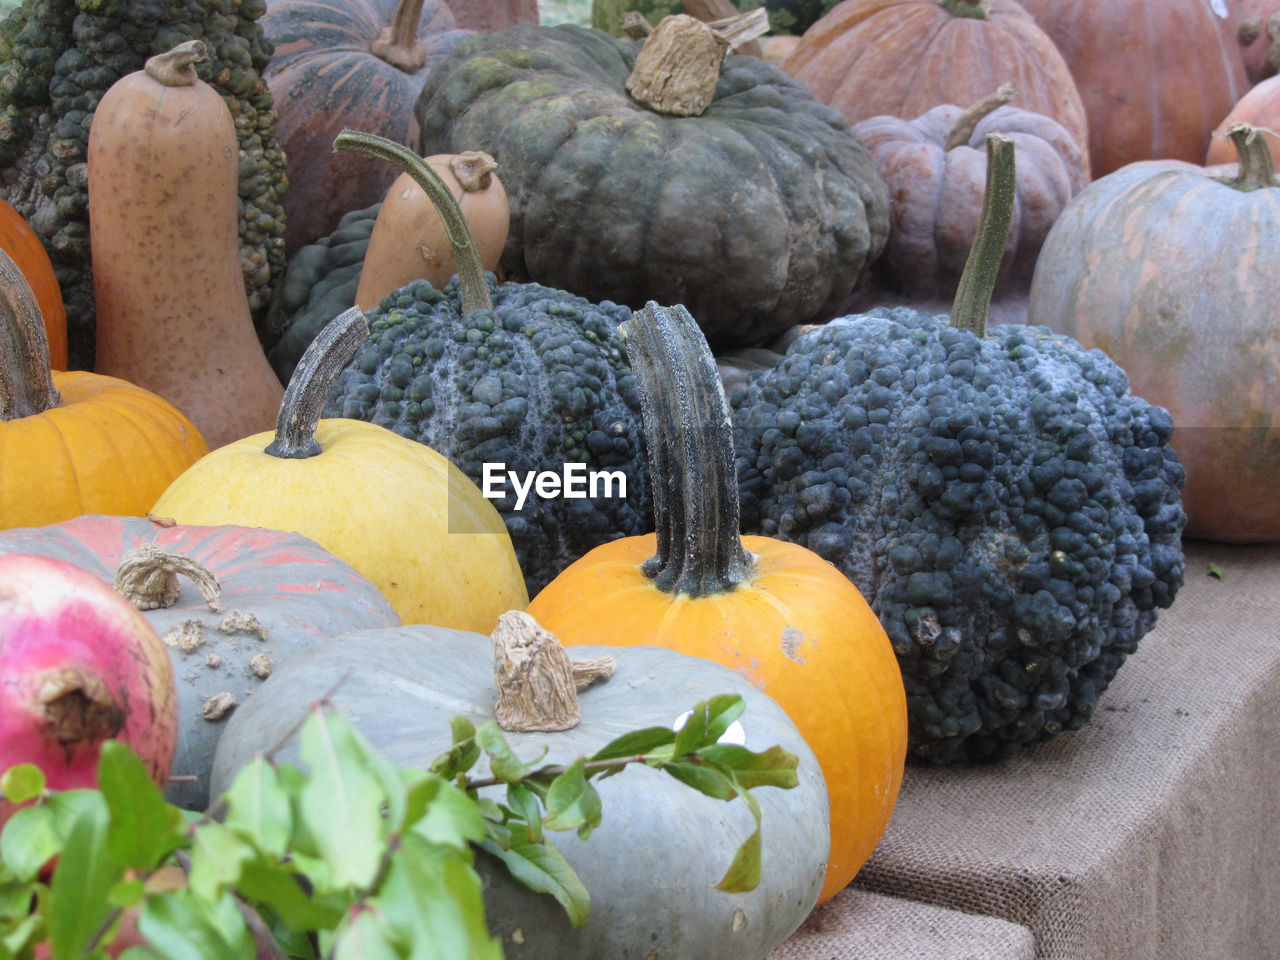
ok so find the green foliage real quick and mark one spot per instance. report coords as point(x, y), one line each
point(341, 856)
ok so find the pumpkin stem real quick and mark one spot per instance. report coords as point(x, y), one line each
point(537, 682)
point(973, 9)
point(473, 291)
point(969, 120)
point(1257, 167)
point(177, 67)
point(689, 441)
point(398, 44)
point(973, 297)
point(473, 169)
point(304, 397)
point(26, 382)
point(77, 706)
point(148, 578)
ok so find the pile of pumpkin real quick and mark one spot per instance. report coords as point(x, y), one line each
point(1010, 542)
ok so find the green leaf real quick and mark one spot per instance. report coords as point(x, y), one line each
point(22, 782)
point(708, 721)
point(505, 764)
point(26, 933)
point(464, 753)
point(433, 899)
point(142, 832)
point(85, 873)
point(258, 807)
point(543, 869)
point(526, 807)
point(744, 872)
point(180, 927)
point(127, 893)
point(774, 767)
point(15, 900)
point(450, 817)
point(635, 743)
point(342, 800)
point(268, 881)
point(69, 805)
point(703, 778)
point(217, 855)
point(366, 936)
point(572, 802)
point(28, 841)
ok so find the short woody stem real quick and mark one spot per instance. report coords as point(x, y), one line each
point(536, 679)
point(1257, 167)
point(177, 67)
point(304, 398)
point(973, 297)
point(148, 578)
point(974, 9)
point(969, 120)
point(26, 382)
point(398, 44)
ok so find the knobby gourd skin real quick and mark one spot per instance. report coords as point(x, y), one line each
point(60, 59)
point(762, 212)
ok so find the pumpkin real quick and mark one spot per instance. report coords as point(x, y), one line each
point(172, 313)
point(75, 442)
point(935, 166)
point(1165, 267)
point(396, 510)
point(956, 51)
point(759, 212)
point(409, 241)
point(338, 64)
point(779, 614)
point(651, 865)
point(1259, 107)
point(1255, 26)
point(24, 248)
point(248, 599)
point(1145, 104)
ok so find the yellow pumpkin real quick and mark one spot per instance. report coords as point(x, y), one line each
point(775, 612)
point(76, 442)
point(396, 510)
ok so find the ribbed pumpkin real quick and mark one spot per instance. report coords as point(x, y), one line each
point(76, 442)
point(1154, 75)
point(248, 599)
point(936, 169)
point(339, 64)
point(20, 242)
point(759, 212)
point(903, 57)
point(1259, 107)
point(396, 510)
point(775, 612)
point(1174, 272)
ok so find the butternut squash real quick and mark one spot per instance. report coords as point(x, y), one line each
point(409, 241)
point(172, 311)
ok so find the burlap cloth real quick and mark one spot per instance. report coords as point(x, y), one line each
point(1154, 832)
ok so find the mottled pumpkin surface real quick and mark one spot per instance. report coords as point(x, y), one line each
point(762, 212)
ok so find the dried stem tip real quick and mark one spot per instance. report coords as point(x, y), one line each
point(537, 682)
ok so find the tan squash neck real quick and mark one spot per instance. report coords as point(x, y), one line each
point(398, 44)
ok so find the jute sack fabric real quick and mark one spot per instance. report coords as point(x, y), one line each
point(857, 925)
point(1153, 833)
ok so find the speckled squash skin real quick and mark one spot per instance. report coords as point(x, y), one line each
point(299, 594)
point(650, 865)
point(762, 212)
point(172, 313)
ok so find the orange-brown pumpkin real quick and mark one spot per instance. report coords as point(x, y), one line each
point(902, 57)
point(1254, 25)
point(1259, 107)
point(76, 442)
point(20, 242)
point(342, 64)
point(1155, 75)
point(773, 611)
point(1174, 272)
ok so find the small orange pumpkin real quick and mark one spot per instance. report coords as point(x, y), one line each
point(775, 612)
point(76, 442)
point(20, 242)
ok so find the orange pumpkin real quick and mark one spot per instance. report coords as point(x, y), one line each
point(1259, 107)
point(20, 242)
point(76, 442)
point(775, 612)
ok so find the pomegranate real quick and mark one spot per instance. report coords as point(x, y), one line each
point(78, 665)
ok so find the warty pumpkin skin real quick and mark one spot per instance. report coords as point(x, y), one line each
point(297, 593)
point(935, 166)
point(338, 64)
point(1254, 25)
point(903, 57)
point(651, 864)
point(1154, 75)
point(76, 442)
point(1172, 270)
point(759, 213)
point(396, 510)
point(774, 612)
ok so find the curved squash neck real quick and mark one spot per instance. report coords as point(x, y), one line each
point(1257, 166)
point(26, 382)
point(398, 44)
point(689, 440)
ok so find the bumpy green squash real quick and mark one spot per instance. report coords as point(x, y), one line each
point(761, 212)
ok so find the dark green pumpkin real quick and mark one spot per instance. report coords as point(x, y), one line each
point(762, 212)
point(785, 16)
